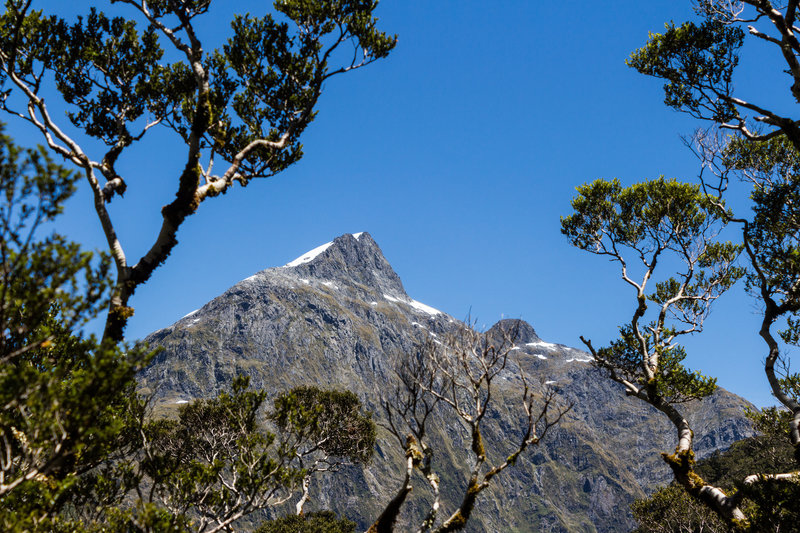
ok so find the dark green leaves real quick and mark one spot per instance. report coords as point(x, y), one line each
point(268, 77)
point(62, 397)
point(772, 170)
point(319, 522)
point(697, 63)
point(672, 381)
point(648, 217)
point(353, 17)
point(649, 227)
point(263, 84)
point(105, 68)
point(217, 462)
point(40, 274)
point(327, 418)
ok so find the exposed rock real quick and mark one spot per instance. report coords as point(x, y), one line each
point(339, 317)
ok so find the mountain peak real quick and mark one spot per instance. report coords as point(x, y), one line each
point(350, 258)
point(519, 329)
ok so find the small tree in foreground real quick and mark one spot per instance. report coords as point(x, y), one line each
point(218, 461)
point(660, 222)
point(62, 396)
point(455, 379)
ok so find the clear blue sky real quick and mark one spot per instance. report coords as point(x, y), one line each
point(458, 153)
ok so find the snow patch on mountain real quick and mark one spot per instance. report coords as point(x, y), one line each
point(309, 256)
point(419, 306)
point(424, 308)
point(542, 344)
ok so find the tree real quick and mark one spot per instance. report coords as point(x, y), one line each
point(641, 227)
point(671, 510)
point(244, 105)
point(453, 379)
point(218, 462)
point(698, 60)
point(698, 65)
point(324, 429)
point(62, 395)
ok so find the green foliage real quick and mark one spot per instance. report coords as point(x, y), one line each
point(697, 63)
point(773, 236)
point(775, 158)
point(648, 216)
point(214, 463)
point(640, 224)
point(40, 273)
point(319, 522)
point(671, 510)
point(328, 419)
point(772, 233)
point(673, 382)
point(770, 505)
point(262, 83)
point(63, 397)
point(63, 415)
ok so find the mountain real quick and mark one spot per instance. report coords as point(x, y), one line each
point(339, 317)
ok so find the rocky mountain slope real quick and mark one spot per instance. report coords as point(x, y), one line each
point(339, 317)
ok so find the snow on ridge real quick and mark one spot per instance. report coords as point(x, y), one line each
point(551, 382)
point(424, 308)
point(419, 306)
point(181, 401)
point(358, 235)
point(392, 298)
point(189, 314)
point(579, 360)
point(542, 344)
point(309, 256)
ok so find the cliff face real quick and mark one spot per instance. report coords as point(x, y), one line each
point(338, 317)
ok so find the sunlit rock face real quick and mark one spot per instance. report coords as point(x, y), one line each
point(339, 317)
